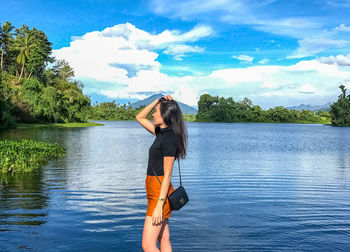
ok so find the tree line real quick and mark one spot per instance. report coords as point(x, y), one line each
point(220, 109)
point(114, 111)
point(30, 91)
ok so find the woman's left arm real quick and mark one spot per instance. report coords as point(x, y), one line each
point(158, 211)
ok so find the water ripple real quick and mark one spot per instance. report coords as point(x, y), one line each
point(252, 187)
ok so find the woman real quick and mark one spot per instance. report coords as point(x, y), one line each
point(170, 143)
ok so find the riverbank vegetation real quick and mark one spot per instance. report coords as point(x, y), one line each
point(220, 109)
point(31, 92)
point(340, 110)
point(111, 111)
point(57, 125)
point(20, 156)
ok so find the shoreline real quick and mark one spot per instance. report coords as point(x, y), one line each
point(299, 122)
point(201, 121)
point(57, 125)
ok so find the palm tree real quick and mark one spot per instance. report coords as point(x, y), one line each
point(23, 44)
point(5, 40)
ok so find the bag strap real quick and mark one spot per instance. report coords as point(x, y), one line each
point(178, 162)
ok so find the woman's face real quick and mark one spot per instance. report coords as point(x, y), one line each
point(157, 117)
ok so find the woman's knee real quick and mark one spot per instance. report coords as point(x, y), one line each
point(148, 246)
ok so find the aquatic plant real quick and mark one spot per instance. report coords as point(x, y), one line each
point(23, 155)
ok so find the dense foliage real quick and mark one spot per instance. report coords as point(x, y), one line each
point(219, 109)
point(29, 90)
point(18, 156)
point(340, 110)
point(113, 111)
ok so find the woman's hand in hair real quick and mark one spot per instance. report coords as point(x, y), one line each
point(168, 97)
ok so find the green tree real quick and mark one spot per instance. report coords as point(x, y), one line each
point(206, 107)
point(257, 114)
point(325, 114)
point(340, 110)
point(31, 92)
point(73, 103)
point(309, 116)
point(279, 114)
point(63, 71)
point(23, 44)
point(296, 115)
point(7, 119)
point(45, 95)
point(5, 41)
point(33, 52)
point(40, 55)
point(51, 108)
point(243, 110)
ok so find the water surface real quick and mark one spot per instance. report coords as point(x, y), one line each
point(251, 187)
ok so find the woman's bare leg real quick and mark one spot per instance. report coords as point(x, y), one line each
point(150, 235)
point(164, 237)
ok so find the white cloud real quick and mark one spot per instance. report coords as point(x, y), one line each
point(113, 63)
point(179, 50)
point(99, 55)
point(264, 61)
point(119, 52)
point(312, 46)
point(168, 38)
point(305, 82)
point(307, 88)
point(311, 32)
point(243, 58)
point(122, 60)
point(342, 28)
point(295, 27)
point(234, 76)
point(339, 60)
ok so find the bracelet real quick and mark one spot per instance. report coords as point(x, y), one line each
point(161, 199)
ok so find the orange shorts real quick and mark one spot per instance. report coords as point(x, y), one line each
point(153, 190)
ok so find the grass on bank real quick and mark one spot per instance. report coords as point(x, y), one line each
point(192, 118)
point(23, 155)
point(323, 121)
point(57, 125)
point(189, 117)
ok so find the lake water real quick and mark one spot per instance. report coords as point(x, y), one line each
point(252, 187)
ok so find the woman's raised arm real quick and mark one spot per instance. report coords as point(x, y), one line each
point(142, 117)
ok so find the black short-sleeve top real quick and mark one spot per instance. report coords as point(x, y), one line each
point(165, 145)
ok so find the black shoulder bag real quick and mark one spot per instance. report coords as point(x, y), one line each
point(178, 198)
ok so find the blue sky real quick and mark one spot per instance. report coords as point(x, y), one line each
point(273, 52)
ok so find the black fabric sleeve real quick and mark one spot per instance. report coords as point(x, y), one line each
point(170, 146)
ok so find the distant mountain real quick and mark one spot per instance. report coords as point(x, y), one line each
point(185, 109)
point(315, 108)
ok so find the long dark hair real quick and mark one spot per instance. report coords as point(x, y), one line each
point(172, 117)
